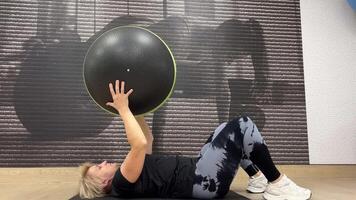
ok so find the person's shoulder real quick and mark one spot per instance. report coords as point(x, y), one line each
point(121, 187)
point(119, 181)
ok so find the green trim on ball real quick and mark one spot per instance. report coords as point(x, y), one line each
point(174, 68)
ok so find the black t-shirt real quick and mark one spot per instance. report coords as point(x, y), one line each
point(161, 176)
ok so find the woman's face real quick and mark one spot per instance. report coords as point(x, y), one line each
point(104, 171)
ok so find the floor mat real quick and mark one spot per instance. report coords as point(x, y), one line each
point(230, 195)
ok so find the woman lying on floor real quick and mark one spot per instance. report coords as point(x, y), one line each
point(233, 144)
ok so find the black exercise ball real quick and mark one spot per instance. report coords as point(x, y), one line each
point(137, 56)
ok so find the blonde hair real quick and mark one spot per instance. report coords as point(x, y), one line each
point(89, 186)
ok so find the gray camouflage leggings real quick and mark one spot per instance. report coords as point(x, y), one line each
point(220, 157)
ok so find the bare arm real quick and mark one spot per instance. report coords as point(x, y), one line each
point(147, 132)
point(132, 166)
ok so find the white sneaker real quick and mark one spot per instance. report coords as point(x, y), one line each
point(286, 189)
point(257, 184)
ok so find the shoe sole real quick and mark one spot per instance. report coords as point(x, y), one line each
point(255, 190)
point(267, 196)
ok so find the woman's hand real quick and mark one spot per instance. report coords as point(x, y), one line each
point(120, 99)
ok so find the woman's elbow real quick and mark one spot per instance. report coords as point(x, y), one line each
point(142, 144)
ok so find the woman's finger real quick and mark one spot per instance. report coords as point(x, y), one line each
point(123, 87)
point(111, 90)
point(129, 92)
point(110, 104)
point(117, 86)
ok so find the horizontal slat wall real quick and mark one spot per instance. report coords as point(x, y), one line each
point(233, 57)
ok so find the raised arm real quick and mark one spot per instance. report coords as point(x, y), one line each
point(132, 166)
point(147, 131)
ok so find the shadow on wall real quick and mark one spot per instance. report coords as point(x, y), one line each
point(51, 99)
